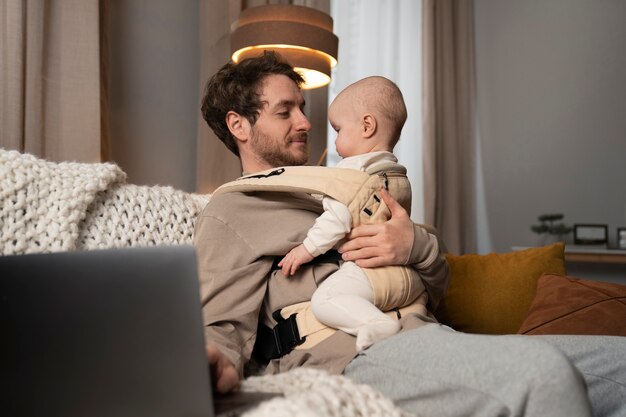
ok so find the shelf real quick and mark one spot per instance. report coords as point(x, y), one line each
point(593, 255)
point(588, 254)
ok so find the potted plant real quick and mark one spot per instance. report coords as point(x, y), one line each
point(550, 228)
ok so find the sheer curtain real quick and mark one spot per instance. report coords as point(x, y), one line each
point(383, 37)
point(50, 79)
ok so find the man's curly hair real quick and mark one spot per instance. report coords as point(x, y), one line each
point(236, 87)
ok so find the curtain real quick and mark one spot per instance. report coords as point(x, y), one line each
point(382, 37)
point(449, 121)
point(215, 164)
point(50, 79)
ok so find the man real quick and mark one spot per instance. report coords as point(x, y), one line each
point(255, 108)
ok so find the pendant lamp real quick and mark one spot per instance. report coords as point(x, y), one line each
point(302, 36)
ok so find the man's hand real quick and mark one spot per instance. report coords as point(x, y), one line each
point(224, 376)
point(296, 257)
point(384, 244)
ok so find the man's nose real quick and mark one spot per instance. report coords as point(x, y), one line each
point(302, 122)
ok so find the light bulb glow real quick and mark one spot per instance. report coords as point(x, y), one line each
point(312, 78)
point(329, 58)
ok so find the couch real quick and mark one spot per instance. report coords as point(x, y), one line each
point(51, 207)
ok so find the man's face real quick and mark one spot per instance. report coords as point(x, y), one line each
point(279, 136)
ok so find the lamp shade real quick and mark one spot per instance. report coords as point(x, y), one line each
point(301, 35)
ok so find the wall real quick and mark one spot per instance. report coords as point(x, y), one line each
point(153, 90)
point(552, 115)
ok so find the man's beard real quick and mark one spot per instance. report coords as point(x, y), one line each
point(276, 153)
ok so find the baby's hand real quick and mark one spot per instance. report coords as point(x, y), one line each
point(292, 261)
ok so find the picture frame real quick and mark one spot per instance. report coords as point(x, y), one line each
point(621, 238)
point(591, 234)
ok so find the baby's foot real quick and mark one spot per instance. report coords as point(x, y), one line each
point(375, 331)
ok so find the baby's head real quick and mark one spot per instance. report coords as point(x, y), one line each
point(368, 116)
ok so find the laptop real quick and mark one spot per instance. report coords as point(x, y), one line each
point(114, 332)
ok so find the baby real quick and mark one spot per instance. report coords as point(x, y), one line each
point(368, 117)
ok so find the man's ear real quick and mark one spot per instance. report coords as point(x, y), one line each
point(238, 125)
point(369, 125)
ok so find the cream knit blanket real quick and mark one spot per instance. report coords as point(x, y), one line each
point(51, 207)
point(310, 392)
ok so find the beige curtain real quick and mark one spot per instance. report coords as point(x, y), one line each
point(50, 78)
point(449, 129)
point(215, 163)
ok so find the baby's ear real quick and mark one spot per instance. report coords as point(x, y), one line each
point(369, 125)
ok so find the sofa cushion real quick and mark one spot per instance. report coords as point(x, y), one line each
point(566, 305)
point(492, 293)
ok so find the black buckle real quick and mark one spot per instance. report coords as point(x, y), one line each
point(286, 334)
point(279, 341)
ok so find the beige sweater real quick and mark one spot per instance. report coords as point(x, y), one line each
point(237, 237)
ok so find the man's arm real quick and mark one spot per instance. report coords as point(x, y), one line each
point(399, 241)
point(381, 244)
point(233, 282)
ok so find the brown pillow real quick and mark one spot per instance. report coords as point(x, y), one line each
point(565, 305)
point(492, 293)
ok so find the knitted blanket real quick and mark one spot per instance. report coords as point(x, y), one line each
point(310, 392)
point(51, 207)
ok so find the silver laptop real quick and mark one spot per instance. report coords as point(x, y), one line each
point(103, 333)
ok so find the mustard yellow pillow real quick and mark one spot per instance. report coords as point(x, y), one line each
point(492, 293)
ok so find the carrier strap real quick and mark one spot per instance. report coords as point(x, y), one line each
point(355, 189)
point(301, 330)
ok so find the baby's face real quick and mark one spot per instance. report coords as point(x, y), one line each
point(345, 121)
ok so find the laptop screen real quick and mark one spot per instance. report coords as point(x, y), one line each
point(103, 333)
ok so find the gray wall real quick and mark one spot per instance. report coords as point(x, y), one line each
point(551, 78)
point(154, 90)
